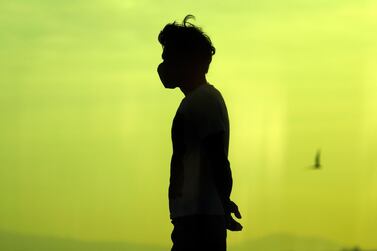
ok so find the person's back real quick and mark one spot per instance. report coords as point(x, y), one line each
point(200, 178)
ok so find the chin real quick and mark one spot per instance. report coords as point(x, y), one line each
point(170, 86)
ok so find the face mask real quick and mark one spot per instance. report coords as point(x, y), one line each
point(166, 76)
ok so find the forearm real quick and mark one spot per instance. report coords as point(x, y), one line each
point(220, 167)
point(223, 180)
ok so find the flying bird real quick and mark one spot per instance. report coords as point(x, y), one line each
point(317, 160)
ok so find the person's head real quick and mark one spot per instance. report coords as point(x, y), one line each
point(187, 53)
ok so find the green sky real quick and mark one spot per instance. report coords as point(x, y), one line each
point(85, 122)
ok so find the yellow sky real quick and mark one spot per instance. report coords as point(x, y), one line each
point(85, 133)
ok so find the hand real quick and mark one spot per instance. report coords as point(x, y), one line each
point(232, 224)
point(233, 208)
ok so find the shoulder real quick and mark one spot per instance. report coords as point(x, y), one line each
point(206, 108)
point(206, 99)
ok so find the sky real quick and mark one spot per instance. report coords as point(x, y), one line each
point(85, 121)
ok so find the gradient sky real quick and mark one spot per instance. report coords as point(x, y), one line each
point(85, 122)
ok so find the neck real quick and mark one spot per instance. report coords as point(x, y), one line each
point(190, 85)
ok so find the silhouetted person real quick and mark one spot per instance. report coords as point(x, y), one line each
point(200, 174)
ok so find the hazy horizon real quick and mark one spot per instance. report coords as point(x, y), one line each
point(272, 242)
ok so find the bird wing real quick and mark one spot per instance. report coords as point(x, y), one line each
point(318, 158)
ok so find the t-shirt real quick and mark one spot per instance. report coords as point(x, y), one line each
point(192, 188)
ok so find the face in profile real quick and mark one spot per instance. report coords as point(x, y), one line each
point(171, 70)
point(167, 75)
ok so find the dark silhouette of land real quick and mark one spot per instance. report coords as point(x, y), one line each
point(24, 242)
point(275, 242)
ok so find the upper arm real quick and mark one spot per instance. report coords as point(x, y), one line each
point(206, 118)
